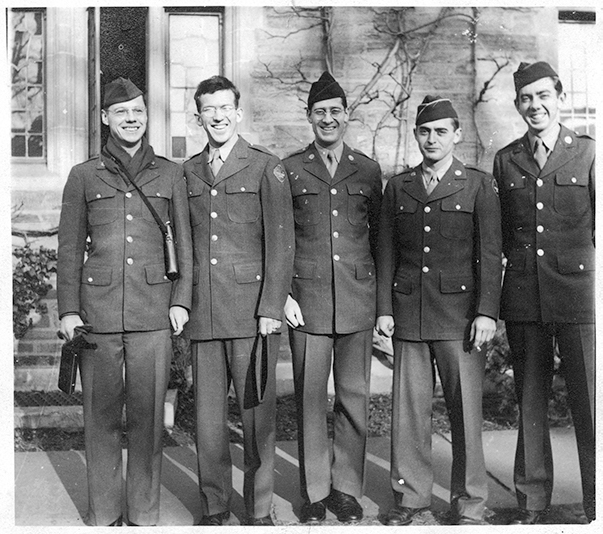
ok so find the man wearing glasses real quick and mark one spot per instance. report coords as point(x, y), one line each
point(111, 275)
point(242, 226)
point(331, 309)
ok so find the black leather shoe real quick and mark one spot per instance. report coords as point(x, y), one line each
point(528, 517)
point(216, 520)
point(313, 512)
point(399, 516)
point(260, 521)
point(117, 523)
point(344, 506)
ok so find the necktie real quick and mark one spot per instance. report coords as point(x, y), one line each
point(432, 181)
point(216, 162)
point(331, 163)
point(540, 152)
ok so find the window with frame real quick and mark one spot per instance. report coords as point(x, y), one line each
point(577, 33)
point(195, 45)
point(27, 36)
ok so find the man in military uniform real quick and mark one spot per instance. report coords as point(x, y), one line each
point(438, 288)
point(547, 194)
point(111, 275)
point(242, 227)
point(331, 310)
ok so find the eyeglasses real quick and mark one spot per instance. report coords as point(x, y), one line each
point(122, 113)
point(210, 111)
point(321, 113)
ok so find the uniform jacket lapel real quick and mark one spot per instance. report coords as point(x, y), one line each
point(413, 185)
point(314, 165)
point(346, 167)
point(201, 167)
point(114, 180)
point(565, 149)
point(523, 158)
point(453, 181)
point(236, 161)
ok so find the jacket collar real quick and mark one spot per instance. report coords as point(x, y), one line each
point(314, 164)
point(454, 180)
point(236, 161)
point(564, 150)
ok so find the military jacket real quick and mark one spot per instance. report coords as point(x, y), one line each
point(439, 261)
point(110, 259)
point(242, 229)
point(336, 222)
point(548, 230)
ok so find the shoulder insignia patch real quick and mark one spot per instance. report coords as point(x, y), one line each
point(495, 185)
point(279, 173)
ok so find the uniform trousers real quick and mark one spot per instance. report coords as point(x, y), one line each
point(532, 351)
point(216, 364)
point(350, 354)
point(145, 357)
point(461, 375)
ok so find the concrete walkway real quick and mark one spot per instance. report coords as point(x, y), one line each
point(51, 490)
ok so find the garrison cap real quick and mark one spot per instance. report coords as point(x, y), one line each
point(528, 73)
point(434, 108)
point(326, 87)
point(120, 90)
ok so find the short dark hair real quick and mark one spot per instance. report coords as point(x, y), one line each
point(556, 82)
point(213, 85)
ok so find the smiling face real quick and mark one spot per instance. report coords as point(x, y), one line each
point(538, 104)
point(219, 116)
point(436, 139)
point(127, 122)
point(328, 119)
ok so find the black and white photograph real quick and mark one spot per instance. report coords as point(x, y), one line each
point(294, 266)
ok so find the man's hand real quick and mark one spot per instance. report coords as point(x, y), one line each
point(266, 325)
point(385, 325)
point(482, 330)
point(293, 313)
point(68, 324)
point(178, 318)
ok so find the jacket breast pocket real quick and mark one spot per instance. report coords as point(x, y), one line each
point(571, 195)
point(101, 204)
point(306, 203)
point(198, 201)
point(243, 200)
point(457, 218)
point(358, 200)
point(159, 197)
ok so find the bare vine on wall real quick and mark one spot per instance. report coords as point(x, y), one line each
point(390, 80)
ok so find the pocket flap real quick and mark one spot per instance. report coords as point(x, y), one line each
point(462, 205)
point(304, 269)
point(96, 277)
point(246, 273)
point(576, 262)
point(455, 283)
point(571, 179)
point(359, 189)
point(516, 261)
point(234, 186)
point(304, 188)
point(156, 274)
point(403, 285)
point(99, 191)
point(364, 270)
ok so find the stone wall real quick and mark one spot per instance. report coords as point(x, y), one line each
point(458, 59)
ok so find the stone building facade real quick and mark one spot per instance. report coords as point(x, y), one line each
point(387, 60)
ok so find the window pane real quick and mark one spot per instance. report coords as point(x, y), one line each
point(27, 42)
point(578, 75)
point(194, 54)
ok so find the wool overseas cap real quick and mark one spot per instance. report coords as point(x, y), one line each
point(434, 108)
point(120, 90)
point(326, 87)
point(528, 73)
